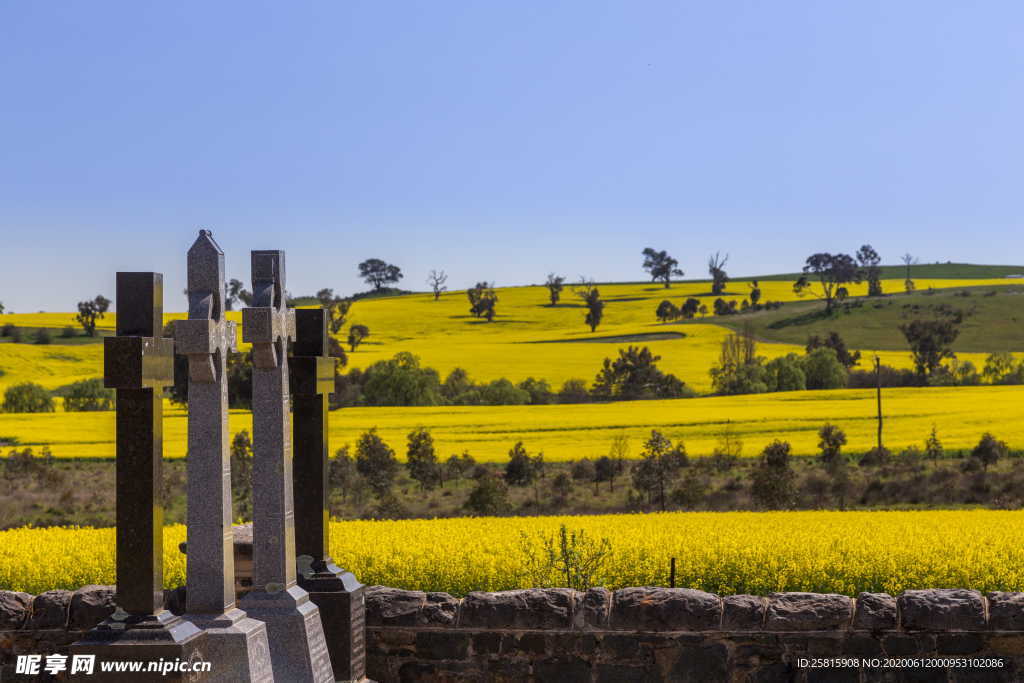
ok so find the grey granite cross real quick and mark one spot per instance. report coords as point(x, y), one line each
point(340, 597)
point(138, 363)
point(297, 646)
point(236, 642)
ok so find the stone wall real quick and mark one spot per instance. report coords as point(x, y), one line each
point(632, 634)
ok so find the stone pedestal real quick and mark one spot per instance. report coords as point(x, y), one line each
point(238, 646)
point(342, 603)
point(297, 645)
point(162, 640)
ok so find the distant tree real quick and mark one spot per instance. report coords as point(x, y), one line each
point(235, 291)
point(786, 373)
point(868, 260)
point(27, 397)
point(457, 467)
point(539, 391)
point(989, 450)
point(933, 449)
point(661, 266)
point(703, 310)
point(88, 395)
point(618, 453)
point(356, 334)
point(835, 342)
point(241, 474)
point(908, 261)
point(773, 480)
point(823, 370)
point(337, 315)
point(1, 307)
point(376, 462)
point(666, 311)
point(554, 283)
point(635, 375)
point(583, 470)
point(421, 459)
point(561, 486)
point(755, 293)
point(931, 341)
point(488, 497)
point(999, 366)
point(573, 390)
point(91, 311)
point(723, 307)
point(831, 440)
point(401, 382)
point(832, 271)
point(592, 300)
point(341, 472)
point(689, 308)
point(716, 269)
point(521, 469)
point(606, 469)
point(739, 369)
point(455, 384)
point(378, 273)
point(482, 300)
point(728, 449)
point(436, 281)
point(660, 465)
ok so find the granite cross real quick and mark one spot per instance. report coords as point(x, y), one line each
point(138, 363)
point(238, 644)
point(297, 646)
point(340, 597)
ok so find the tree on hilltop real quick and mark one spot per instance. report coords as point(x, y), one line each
point(356, 335)
point(588, 291)
point(482, 300)
point(436, 281)
point(868, 259)
point(716, 269)
point(91, 311)
point(661, 266)
point(909, 260)
point(832, 271)
point(378, 273)
point(554, 284)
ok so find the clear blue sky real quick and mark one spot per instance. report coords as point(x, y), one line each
point(501, 140)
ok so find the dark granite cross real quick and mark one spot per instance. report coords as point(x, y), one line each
point(340, 597)
point(138, 363)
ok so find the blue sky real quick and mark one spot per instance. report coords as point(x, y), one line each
point(500, 140)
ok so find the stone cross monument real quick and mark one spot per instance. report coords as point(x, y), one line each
point(298, 650)
point(236, 644)
point(340, 597)
point(138, 363)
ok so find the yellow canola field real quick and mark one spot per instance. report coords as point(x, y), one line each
point(734, 552)
point(528, 337)
point(569, 432)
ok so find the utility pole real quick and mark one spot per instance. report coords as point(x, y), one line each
point(878, 393)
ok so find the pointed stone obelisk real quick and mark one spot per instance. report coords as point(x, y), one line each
point(297, 646)
point(138, 364)
point(237, 643)
point(338, 594)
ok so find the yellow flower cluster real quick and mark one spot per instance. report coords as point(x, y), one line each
point(741, 552)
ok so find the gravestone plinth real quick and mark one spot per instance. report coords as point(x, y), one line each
point(237, 643)
point(138, 365)
point(298, 650)
point(338, 594)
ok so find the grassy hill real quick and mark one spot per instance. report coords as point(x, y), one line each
point(994, 319)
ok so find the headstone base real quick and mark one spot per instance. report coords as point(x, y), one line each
point(342, 603)
point(164, 641)
point(238, 646)
point(298, 650)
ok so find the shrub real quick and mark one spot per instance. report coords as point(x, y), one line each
point(539, 391)
point(989, 450)
point(832, 440)
point(488, 497)
point(6, 330)
point(401, 382)
point(773, 481)
point(574, 391)
point(583, 470)
point(876, 457)
point(44, 336)
point(823, 369)
point(28, 398)
point(571, 559)
point(376, 462)
point(15, 333)
point(786, 373)
point(67, 332)
point(87, 395)
point(933, 449)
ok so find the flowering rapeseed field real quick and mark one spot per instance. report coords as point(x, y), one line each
point(570, 432)
point(735, 552)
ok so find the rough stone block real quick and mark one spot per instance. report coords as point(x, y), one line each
point(442, 645)
point(90, 605)
point(808, 612)
point(563, 670)
point(743, 612)
point(395, 607)
point(958, 643)
point(15, 608)
point(665, 609)
point(875, 612)
point(518, 609)
point(595, 608)
point(50, 610)
point(951, 609)
point(699, 664)
point(1006, 611)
